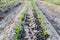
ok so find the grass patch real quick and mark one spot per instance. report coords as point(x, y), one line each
point(7, 3)
point(53, 1)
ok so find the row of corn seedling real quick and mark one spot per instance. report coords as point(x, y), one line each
point(40, 21)
point(19, 29)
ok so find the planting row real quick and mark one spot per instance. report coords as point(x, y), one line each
point(19, 28)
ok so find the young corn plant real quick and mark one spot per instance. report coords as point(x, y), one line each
point(17, 31)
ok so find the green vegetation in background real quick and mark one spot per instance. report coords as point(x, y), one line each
point(40, 19)
point(18, 28)
point(8, 3)
point(54, 1)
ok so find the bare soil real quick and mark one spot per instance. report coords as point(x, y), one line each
point(52, 7)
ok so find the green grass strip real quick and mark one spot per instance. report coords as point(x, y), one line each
point(53, 1)
point(8, 3)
